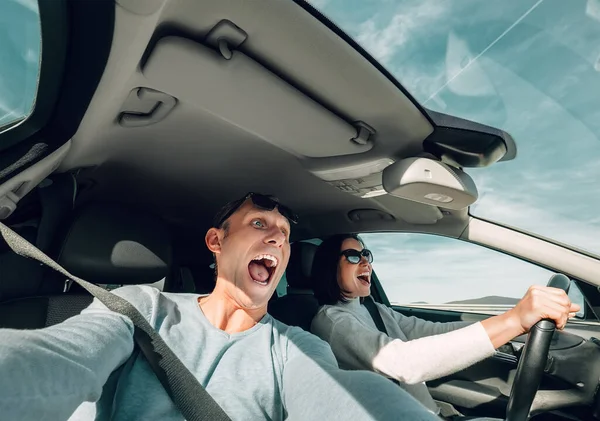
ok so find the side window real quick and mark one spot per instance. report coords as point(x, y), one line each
point(444, 273)
point(20, 46)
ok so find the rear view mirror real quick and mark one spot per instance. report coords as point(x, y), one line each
point(431, 182)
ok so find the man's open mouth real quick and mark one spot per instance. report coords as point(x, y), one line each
point(365, 278)
point(262, 267)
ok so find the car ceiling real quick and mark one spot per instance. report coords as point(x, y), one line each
point(199, 156)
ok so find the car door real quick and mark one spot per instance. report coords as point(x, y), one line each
point(444, 279)
point(52, 56)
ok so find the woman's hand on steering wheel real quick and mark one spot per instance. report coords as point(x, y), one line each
point(540, 312)
point(539, 303)
point(542, 302)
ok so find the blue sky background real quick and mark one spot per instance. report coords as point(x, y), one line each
point(530, 67)
point(19, 58)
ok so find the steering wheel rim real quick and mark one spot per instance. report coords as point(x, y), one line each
point(532, 362)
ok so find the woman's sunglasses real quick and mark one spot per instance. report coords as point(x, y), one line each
point(354, 256)
point(261, 201)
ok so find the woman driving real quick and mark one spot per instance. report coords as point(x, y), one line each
point(408, 349)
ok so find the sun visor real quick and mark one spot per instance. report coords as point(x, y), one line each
point(431, 182)
point(242, 92)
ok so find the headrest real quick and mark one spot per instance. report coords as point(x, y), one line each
point(112, 244)
point(300, 265)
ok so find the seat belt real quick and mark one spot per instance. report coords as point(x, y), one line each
point(369, 303)
point(375, 315)
point(188, 395)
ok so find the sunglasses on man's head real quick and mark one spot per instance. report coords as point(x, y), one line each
point(354, 256)
point(261, 201)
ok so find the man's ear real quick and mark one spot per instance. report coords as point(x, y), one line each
point(213, 240)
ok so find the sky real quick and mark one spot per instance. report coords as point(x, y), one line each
point(433, 269)
point(530, 67)
point(19, 58)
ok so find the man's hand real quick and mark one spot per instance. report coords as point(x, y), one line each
point(538, 303)
point(543, 303)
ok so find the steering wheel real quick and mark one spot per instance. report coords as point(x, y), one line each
point(533, 361)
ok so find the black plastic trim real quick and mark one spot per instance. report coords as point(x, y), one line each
point(456, 124)
point(434, 314)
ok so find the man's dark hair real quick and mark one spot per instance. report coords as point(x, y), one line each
point(224, 210)
point(221, 218)
point(325, 269)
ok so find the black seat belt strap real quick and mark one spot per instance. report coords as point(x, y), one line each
point(369, 303)
point(375, 315)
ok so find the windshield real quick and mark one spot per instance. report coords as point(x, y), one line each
point(20, 45)
point(531, 68)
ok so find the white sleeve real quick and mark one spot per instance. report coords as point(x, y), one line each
point(359, 347)
point(436, 356)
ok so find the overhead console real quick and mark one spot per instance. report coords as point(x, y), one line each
point(436, 176)
point(419, 179)
point(362, 179)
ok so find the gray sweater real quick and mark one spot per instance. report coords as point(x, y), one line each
point(415, 351)
point(84, 369)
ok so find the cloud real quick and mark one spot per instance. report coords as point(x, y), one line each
point(522, 209)
point(29, 5)
point(421, 83)
point(551, 187)
point(383, 41)
point(592, 9)
point(319, 4)
point(7, 116)
point(30, 56)
point(4, 107)
point(434, 269)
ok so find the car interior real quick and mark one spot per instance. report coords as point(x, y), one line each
point(151, 114)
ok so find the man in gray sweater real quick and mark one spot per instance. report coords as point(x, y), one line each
point(254, 366)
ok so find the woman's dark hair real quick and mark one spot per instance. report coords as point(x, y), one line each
point(325, 269)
